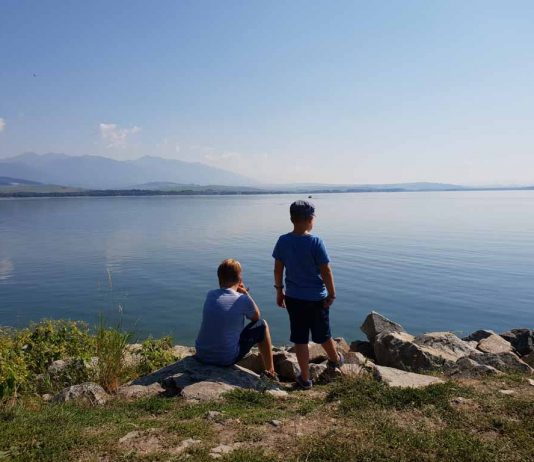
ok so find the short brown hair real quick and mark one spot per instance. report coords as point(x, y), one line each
point(229, 272)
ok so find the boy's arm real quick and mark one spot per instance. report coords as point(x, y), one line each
point(257, 314)
point(328, 279)
point(279, 283)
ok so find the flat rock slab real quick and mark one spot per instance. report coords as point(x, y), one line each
point(189, 371)
point(397, 378)
point(206, 391)
point(139, 391)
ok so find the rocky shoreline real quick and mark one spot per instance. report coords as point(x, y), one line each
point(390, 355)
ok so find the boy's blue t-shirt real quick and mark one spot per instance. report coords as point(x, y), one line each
point(302, 255)
point(223, 319)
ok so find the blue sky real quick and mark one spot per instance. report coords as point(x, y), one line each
point(284, 91)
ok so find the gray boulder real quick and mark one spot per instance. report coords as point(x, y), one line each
point(446, 344)
point(529, 359)
point(503, 362)
point(397, 378)
point(252, 362)
point(478, 335)
point(429, 351)
point(317, 353)
point(363, 347)
point(88, 392)
point(375, 324)
point(521, 339)
point(469, 368)
point(397, 349)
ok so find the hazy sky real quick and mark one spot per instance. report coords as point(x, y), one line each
point(308, 91)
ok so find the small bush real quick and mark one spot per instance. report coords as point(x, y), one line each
point(50, 340)
point(155, 354)
point(13, 369)
point(111, 344)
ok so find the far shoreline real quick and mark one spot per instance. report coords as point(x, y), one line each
point(237, 192)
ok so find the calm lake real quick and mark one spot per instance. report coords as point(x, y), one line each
point(454, 261)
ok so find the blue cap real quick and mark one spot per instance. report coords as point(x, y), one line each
point(301, 209)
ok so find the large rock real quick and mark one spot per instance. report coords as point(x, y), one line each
point(288, 368)
point(317, 353)
point(363, 347)
point(375, 324)
point(397, 378)
point(445, 344)
point(252, 362)
point(469, 368)
point(503, 362)
point(189, 371)
point(494, 344)
point(521, 339)
point(88, 392)
point(397, 349)
point(478, 335)
point(429, 351)
point(206, 390)
point(529, 359)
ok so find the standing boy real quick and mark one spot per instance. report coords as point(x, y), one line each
point(223, 338)
point(309, 288)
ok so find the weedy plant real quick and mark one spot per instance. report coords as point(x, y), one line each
point(111, 343)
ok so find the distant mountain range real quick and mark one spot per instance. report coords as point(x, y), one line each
point(96, 172)
point(7, 181)
point(60, 174)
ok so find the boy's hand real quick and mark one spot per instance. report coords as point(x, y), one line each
point(280, 299)
point(242, 289)
point(328, 301)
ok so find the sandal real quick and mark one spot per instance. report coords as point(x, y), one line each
point(304, 384)
point(338, 364)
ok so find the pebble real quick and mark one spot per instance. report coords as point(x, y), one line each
point(506, 392)
point(275, 423)
point(212, 415)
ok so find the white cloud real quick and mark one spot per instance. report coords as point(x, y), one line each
point(2, 124)
point(116, 137)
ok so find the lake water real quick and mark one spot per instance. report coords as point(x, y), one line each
point(454, 261)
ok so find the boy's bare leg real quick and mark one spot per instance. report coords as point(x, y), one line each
point(266, 350)
point(303, 357)
point(330, 348)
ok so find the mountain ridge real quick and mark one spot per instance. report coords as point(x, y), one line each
point(98, 172)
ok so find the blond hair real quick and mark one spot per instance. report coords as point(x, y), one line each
point(229, 272)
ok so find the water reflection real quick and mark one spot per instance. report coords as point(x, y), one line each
point(6, 268)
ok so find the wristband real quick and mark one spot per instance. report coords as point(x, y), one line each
point(279, 287)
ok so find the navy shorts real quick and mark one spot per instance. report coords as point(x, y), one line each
point(307, 316)
point(253, 333)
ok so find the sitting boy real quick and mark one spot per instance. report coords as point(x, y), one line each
point(223, 339)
